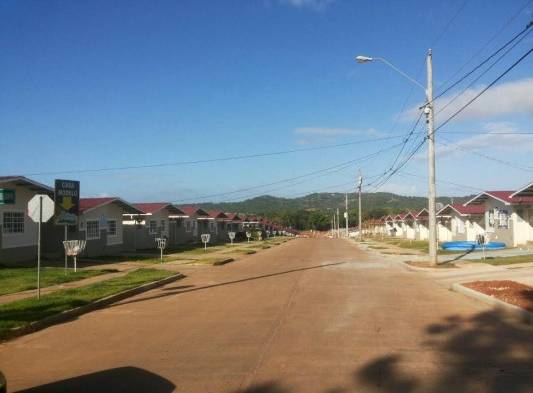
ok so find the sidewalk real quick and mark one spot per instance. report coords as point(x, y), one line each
point(73, 284)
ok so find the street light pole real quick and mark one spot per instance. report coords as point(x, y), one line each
point(429, 110)
point(359, 185)
point(346, 214)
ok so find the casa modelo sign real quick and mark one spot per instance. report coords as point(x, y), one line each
point(67, 201)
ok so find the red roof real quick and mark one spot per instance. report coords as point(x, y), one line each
point(193, 210)
point(233, 216)
point(152, 207)
point(216, 214)
point(462, 209)
point(503, 196)
point(92, 203)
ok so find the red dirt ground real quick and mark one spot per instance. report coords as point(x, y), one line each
point(508, 291)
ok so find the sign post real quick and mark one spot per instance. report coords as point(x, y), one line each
point(161, 244)
point(231, 236)
point(67, 205)
point(40, 209)
point(205, 239)
point(248, 235)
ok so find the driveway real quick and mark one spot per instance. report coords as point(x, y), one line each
point(312, 315)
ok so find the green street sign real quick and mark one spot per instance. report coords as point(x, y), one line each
point(7, 196)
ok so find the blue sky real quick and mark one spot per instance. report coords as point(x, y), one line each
point(129, 83)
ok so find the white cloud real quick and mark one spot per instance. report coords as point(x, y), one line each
point(496, 140)
point(312, 4)
point(505, 99)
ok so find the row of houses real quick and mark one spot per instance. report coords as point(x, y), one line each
point(505, 216)
point(112, 225)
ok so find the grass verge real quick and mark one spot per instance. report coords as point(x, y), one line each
point(21, 313)
point(496, 261)
point(13, 280)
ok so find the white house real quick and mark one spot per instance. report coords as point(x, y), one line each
point(100, 223)
point(158, 219)
point(18, 233)
point(508, 215)
point(421, 225)
point(465, 222)
point(397, 225)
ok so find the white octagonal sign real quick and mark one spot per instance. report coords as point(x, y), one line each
point(47, 210)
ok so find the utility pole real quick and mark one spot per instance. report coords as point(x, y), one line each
point(429, 110)
point(334, 227)
point(359, 186)
point(338, 224)
point(346, 215)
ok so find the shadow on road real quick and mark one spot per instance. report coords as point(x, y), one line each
point(117, 380)
point(485, 353)
point(482, 354)
point(200, 288)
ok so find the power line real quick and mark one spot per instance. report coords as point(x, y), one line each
point(507, 23)
point(483, 73)
point(450, 118)
point(500, 161)
point(338, 166)
point(219, 159)
point(483, 62)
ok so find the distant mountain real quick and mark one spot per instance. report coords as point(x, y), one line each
point(268, 204)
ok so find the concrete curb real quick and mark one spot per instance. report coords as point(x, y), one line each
point(75, 312)
point(511, 309)
point(223, 262)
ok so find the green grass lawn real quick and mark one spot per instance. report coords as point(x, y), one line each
point(496, 261)
point(14, 280)
point(22, 312)
point(419, 245)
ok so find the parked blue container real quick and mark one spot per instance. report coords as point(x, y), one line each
point(471, 246)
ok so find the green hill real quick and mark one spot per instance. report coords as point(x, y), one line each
point(267, 204)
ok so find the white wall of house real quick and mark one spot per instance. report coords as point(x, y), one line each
point(409, 231)
point(444, 234)
point(422, 232)
point(399, 228)
point(18, 230)
point(474, 227)
point(108, 217)
point(509, 224)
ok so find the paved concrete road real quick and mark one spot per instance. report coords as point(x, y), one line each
point(312, 315)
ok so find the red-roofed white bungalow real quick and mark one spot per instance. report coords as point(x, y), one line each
point(508, 215)
point(397, 225)
point(409, 225)
point(465, 222)
point(421, 226)
point(18, 233)
point(100, 223)
point(158, 219)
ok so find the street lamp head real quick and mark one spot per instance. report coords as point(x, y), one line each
point(363, 59)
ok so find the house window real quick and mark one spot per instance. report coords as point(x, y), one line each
point(13, 222)
point(93, 229)
point(188, 226)
point(152, 227)
point(112, 228)
point(503, 218)
point(163, 225)
point(490, 221)
point(211, 227)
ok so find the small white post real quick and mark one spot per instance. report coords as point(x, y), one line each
point(66, 256)
point(39, 248)
point(75, 264)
